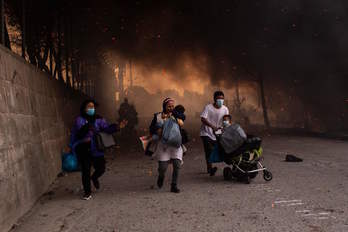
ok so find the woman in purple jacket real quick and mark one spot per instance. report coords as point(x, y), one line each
point(84, 146)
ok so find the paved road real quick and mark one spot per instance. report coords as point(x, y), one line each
point(307, 196)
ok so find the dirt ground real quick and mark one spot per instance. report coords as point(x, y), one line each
point(307, 196)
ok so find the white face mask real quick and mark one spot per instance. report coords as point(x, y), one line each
point(219, 102)
point(226, 123)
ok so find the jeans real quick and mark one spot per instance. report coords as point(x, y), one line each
point(208, 145)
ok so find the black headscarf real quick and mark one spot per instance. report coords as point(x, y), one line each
point(83, 110)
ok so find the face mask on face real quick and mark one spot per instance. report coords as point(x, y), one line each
point(226, 123)
point(219, 102)
point(90, 111)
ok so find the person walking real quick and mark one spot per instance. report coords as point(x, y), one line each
point(166, 153)
point(83, 144)
point(211, 118)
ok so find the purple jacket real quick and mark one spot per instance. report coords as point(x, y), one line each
point(99, 125)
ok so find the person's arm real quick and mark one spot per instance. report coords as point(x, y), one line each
point(81, 128)
point(78, 132)
point(207, 123)
point(204, 118)
point(82, 132)
point(180, 123)
point(112, 128)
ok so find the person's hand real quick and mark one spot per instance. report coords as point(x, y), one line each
point(123, 123)
point(91, 127)
point(67, 149)
point(159, 132)
point(215, 128)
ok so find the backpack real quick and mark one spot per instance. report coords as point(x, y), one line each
point(171, 135)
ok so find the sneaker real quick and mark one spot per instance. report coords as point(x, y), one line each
point(87, 197)
point(174, 189)
point(96, 183)
point(160, 181)
point(213, 171)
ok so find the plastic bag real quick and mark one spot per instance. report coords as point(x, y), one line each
point(171, 134)
point(70, 162)
point(232, 138)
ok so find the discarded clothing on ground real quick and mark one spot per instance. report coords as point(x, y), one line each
point(292, 158)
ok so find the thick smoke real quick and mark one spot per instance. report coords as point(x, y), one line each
point(299, 47)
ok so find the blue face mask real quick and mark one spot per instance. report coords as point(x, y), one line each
point(90, 111)
point(219, 102)
point(226, 123)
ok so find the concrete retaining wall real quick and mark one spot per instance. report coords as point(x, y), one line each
point(36, 113)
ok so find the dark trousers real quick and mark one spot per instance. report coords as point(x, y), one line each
point(163, 166)
point(86, 161)
point(208, 145)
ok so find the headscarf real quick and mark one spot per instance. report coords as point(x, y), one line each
point(165, 103)
point(83, 110)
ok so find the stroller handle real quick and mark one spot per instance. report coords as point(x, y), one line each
point(218, 135)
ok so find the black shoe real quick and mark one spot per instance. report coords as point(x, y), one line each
point(174, 189)
point(160, 181)
point(96, 183)
point(213, 171)
point(87, 197)
point(209, 167)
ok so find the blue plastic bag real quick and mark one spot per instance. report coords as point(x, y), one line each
point(215, 156)
point(70, 162)
point(171, 134)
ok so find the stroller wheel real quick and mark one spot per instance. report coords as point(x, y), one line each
point(267, 175)
point(227, 173)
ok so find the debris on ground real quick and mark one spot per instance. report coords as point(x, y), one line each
point(292, 158)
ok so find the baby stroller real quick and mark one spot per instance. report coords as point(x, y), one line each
point(243, 154)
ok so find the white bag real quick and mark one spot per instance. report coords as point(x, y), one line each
point(145, 141)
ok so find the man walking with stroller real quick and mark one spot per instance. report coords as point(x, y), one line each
point(212, 117)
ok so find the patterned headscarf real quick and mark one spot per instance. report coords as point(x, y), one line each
point(165, 103)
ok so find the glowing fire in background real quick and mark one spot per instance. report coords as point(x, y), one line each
point(189, 83)
point(187, 77)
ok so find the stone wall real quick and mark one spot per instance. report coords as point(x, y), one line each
point(36, 113)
